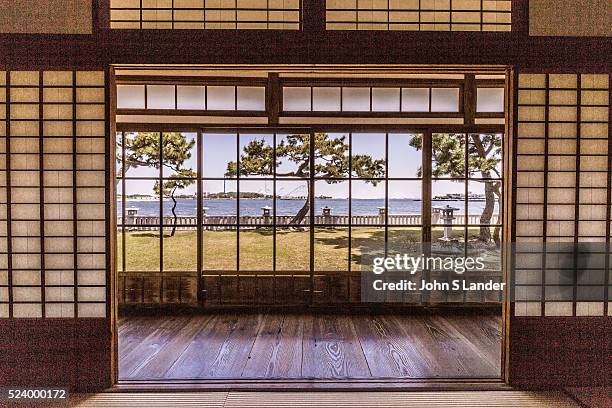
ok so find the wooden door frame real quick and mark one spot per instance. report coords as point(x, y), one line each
point(509, 180)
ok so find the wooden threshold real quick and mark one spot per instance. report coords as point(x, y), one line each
point(374, 384)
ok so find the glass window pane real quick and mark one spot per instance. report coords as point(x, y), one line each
point(405, 202)
point(485, 155)
point(179, 157)
point(180, 201)
point(405, 155)
point(142, 154)
point(490, 100)
point(296, 99)
point(256, 249)
point(356, 99)
point(368, 150)
point(118, 154)
point(191, 97)
point(219, 207)
point(385, 99)
point(221, 98)
point(119, 256)
point(139, 241)
point(446, 238)
point(331, 202)
point(219, 248)
point(445, 100)
point(292, 202)
point(331, 249)
point(251, 98)
point(255, 203)
point(220, 203)
point(141, 203)
point(405, 240)
point(130, 96)
point(293, 155)
point(160, 97)
point(331, 155)
point(325, 99)
point(292, 249)
point(367, 243)
point(368, 202)
point(219, 155)
point(448, 155)
point(256, 155)
point(484, 202)
point(415, 100)
point(449, 196)
point(179, 249)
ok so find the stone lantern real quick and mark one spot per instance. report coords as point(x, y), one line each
point(447, 216)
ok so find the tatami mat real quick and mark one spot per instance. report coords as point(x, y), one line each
point(490, 399)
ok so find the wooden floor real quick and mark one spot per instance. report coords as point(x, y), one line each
point(310, 346)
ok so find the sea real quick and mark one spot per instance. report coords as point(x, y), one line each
point(253, 207)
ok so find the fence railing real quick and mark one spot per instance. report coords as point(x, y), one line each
point(217, 222)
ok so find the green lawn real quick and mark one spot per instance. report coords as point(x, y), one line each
point(220, 248)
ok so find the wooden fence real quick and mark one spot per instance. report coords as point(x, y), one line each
point(216, 222)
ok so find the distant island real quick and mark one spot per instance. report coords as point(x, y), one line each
point(232, 195)
point(460, 197)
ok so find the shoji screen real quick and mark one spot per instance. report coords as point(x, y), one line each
point(205, 14)
point(419, 15)
point(53, 195)
point(562, 266)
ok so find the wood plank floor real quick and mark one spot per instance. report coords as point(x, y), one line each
point(225, 345)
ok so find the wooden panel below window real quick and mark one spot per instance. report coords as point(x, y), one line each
point(561, 351)
point(56, 352)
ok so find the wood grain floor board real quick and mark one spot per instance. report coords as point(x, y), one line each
point(452, 349)
point(388, 351)
point(469, 355)
point(484, 338)
point(277, 352)
point(157, 367)
point(332, 349)
point(148, 348)
point(432, 355)
point(235, 351)
point(309, 345)
point(203, 348)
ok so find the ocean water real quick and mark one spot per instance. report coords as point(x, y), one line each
point(252, 207)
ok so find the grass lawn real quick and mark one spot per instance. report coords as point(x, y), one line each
point(220, 248)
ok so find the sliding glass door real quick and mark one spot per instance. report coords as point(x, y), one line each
point(256, 224)
point(222, 217)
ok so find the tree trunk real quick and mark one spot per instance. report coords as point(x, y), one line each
point(487, 213)
point(497, 231)
point(299, 217)
point(173, 214)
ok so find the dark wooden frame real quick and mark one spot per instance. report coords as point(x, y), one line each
point(273, 105)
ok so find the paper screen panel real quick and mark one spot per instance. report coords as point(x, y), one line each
point(419, 15)
point(205, 14)
point(562, 195)
point(53, 194)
